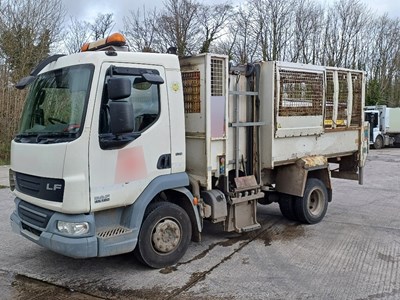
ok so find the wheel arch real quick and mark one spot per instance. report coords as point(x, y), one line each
point(291, 179)
point(173, 187)
point(324, 175)
point(184, 198)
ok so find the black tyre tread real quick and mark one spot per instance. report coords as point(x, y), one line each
point(300, 203)
point(149, 209)
point(378, 145)
point(143, 254)
point(286, 205)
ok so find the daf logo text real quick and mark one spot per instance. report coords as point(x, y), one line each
point(53, 187)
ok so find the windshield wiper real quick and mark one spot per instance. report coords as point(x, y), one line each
point(55, 137)
point(45, 138)
point(26, 135)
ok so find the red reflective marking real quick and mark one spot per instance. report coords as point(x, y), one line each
point(130, 165)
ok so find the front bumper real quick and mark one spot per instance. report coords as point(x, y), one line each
point(78, 247)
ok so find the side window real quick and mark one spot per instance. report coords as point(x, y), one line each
point(145, 100)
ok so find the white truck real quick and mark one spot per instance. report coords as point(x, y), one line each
point(120, 152)
point(384, 125)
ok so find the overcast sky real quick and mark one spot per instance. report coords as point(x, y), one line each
point(88, 9)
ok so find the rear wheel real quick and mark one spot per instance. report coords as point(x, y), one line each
point(164, 236)
point(312, 207)
point(287, 206)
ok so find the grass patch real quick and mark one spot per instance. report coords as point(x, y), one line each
point(3, 187)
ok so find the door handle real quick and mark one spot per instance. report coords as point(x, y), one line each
point(164, 162)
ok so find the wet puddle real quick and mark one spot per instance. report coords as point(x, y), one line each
point(276, 232)
point(23, 288)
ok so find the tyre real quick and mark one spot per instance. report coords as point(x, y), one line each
point(378, 144)
point(164, 236)
point(311, 208)
point(287, 207)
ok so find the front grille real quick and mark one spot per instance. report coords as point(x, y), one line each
point(40, 187)
point(28, 184)
point(31, 229)
point(34, 215)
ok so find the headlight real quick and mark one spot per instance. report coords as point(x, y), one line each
point(73, 228)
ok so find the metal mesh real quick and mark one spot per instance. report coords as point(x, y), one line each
point(356, 116)
point(343, 95)
point(301, 93)
point(191, 91)
point(329, 98)
point(217, 77)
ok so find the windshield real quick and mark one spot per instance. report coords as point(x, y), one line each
point(55, 106)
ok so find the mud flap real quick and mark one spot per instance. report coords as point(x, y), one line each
point(291, 179)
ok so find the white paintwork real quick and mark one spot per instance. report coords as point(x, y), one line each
point(392, 119)
point(285, 139)
point(202, 148)
point(388, 122)
point(90, 172)
point(104, 165)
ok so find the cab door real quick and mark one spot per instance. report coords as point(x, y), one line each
point(121, 167)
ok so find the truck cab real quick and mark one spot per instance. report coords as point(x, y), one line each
point(100, 131)
point(384, 125)
point(372, 116)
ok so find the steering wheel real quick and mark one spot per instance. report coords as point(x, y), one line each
point(55, 120)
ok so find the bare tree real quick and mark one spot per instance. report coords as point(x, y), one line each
point(274, 26)
point(78, 33)
point(28, 28)
point(28, 31)
point(306, 46)
point(102, 26)
point(213, 19)
point(241, 43)
point(179, 26)
point(383, 64)
point(140, 28)
point(345, 21)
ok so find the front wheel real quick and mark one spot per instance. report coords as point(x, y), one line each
point(311, 208)
point(164, 236)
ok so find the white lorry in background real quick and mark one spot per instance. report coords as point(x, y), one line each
point(384, 125)
point(120, 152)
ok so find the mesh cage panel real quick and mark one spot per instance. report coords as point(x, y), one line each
point(217, 77)
point(301, 93)
point(343, 94)
point(191, 91)
point(329, 98)
point(356, 116)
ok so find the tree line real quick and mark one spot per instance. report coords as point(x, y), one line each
point(344, 34)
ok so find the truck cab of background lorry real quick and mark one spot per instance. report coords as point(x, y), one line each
point(375, 135)
point(101, 136)
point(384, 125)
